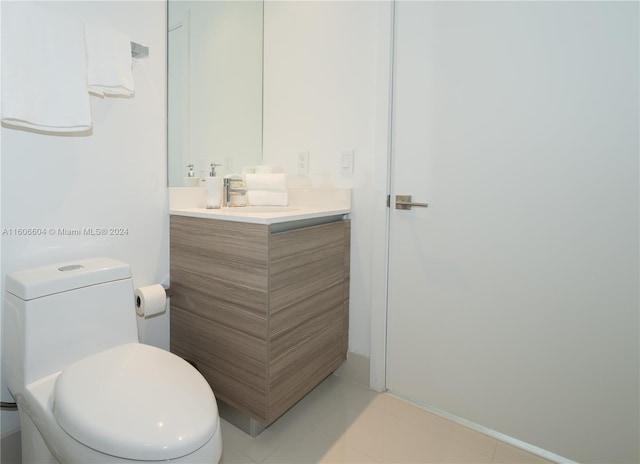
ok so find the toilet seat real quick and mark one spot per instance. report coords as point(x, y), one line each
point(135, 402)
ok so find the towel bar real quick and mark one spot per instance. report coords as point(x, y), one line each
point(139, 51)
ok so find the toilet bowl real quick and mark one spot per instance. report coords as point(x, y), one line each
point(87, 390)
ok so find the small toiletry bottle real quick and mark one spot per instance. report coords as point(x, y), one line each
point(214, 189)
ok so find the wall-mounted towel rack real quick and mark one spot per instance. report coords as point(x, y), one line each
point(139, 51)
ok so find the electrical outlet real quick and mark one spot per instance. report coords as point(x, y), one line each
point(303, 163)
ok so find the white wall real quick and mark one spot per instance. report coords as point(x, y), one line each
point(320, 83)
point(115, 177)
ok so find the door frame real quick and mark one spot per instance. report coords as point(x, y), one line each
point(381, 179)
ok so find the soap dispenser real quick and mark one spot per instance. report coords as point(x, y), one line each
point(214, 189)
point(191, 180)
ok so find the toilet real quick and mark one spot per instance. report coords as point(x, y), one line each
point(87, 390)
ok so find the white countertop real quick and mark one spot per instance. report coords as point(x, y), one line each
point(260, 214)
point(303, 204)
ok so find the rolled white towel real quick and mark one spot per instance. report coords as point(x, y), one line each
point(275, 182)
point(248, 170)
point(267, 198)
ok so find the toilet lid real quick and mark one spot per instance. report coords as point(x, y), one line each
point(136, 401)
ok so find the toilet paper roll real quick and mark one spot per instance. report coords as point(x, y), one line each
point(150, 300)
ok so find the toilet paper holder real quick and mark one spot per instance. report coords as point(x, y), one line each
point(167, 291)
point(151, 300)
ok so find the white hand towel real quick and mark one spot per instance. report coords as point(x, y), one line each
point(44, 69)
point(276, 182)
point(267, 198)
point(109, 62)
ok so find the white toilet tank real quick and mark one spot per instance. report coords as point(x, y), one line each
point(58, 314)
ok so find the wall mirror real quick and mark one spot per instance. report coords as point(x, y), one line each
point(214, 87)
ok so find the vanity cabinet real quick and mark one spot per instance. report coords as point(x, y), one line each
point(262, 310)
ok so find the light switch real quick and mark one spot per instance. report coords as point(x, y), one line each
point(346, 162)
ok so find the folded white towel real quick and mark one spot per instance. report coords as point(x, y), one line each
point(276, 182)
point(44, 69)
point(267, 198)
point(109, 61)
point(269, 169)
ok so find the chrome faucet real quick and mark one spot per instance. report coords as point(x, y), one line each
point(228, 189)
point(213, 169)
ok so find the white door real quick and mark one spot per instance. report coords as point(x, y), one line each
point(513, 293)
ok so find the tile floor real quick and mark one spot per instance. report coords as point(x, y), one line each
point(343, 422)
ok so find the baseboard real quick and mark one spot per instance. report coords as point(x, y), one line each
point(355, 369)
point(243, 421)
point(10, 448)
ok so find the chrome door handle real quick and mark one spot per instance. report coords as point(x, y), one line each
point(404, 202)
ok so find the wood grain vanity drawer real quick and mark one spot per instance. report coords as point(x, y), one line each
point(240, 256)
point(296, 373)
point(196, 291)
point(290, 317)
point(233, 362)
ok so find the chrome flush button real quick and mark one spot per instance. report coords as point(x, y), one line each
point(70, 267)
